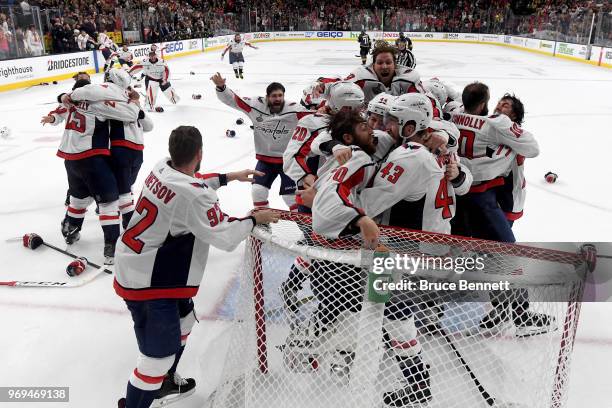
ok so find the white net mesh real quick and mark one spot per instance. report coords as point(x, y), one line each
point(306, 333)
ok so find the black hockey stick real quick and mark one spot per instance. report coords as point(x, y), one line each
point(487, 397)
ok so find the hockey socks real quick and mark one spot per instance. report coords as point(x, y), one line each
point(139, 398)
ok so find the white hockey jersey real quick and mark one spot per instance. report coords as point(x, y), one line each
point(124, 55)
point(271, 131)
point(155, 71)
point(335, 209)
point(412, 191)
point(236, 47)
point(87, 132)
point(163, 252)
point(298, 156)
point(490, 145)
point(130, 134)
point(123, 134)
point(105, 41)
point(511, 196)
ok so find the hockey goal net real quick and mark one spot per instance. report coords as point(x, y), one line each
point(344, 344)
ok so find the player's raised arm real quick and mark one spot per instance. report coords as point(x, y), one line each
point(233, 100)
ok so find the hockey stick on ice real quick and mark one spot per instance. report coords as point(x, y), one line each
point(485, 395)
point(51, 284)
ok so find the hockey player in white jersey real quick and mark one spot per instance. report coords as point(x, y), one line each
point(299, 162)
point(157, 77)
point(377, 110)
point(161, 259)
point(491, 145)
point(383, 75)
point(302, 166)
point(107, 46)
point(437, 93)
point(127, 145)
point(511, 196)
point(314, 94)
point(125, 57)
point(236, 59)
point(338, 211)
point(415, 189)
point(414, 178)
point(85, 143)
point(386, 139)
point(274, 121)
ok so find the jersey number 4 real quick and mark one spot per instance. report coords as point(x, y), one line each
point(130, 236)
point(443, 200)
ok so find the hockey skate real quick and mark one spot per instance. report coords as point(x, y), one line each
point(288, 293)
point(300, 351)
point(159, 109)
point(70, 231)
point(494, 322)
point(109, 253)
point(174, 388)
point(340, 363)
point(428, 317)
point(415, 390)
point(531, 324)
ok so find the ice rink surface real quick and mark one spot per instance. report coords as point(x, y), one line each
point(82, 337)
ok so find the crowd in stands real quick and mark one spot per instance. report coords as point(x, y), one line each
point(72, 25)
